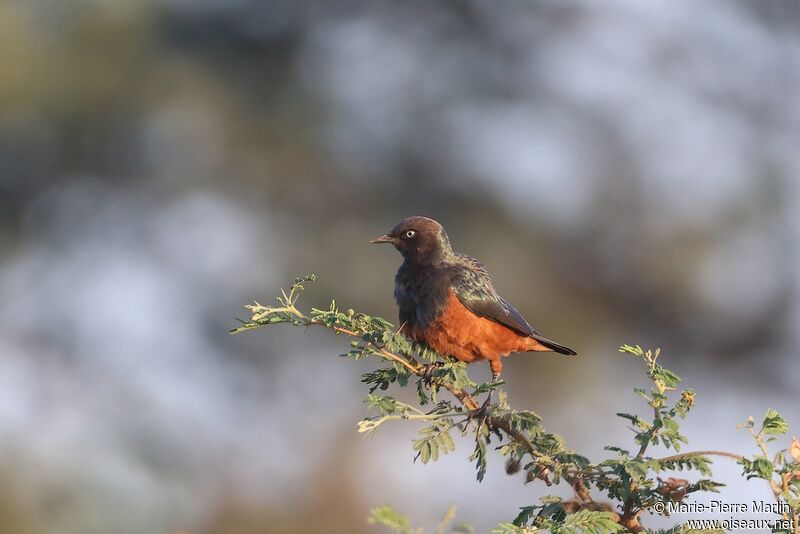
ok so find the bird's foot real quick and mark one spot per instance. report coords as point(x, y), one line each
point(429, 371)
point(482, 414)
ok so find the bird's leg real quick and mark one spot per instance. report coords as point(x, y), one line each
point(497, 367)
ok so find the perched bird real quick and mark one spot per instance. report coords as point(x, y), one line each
point(447, 300)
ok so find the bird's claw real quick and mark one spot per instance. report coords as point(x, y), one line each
point(428, 372)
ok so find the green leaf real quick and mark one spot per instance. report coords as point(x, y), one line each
point(758, 467)
point(622, 452)
point(636, 469)
point(382, 378)
point(589, 522)
point(629, 349)
point(523, 420)
point(524, 516)
point(388, 517)
point(634, 419)
point(698, 463)
point(665, 376)
point(479, 456)
point(422, 397)
point(385, 405)
point(486, 387)
point(435, 440)
point(774, 424)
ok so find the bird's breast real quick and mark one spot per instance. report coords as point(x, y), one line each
point(430, 290)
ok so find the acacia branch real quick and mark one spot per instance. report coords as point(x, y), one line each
point(462, 395)
point(573, 477)
point(374, 339)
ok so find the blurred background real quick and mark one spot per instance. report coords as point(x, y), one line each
point(627, 171)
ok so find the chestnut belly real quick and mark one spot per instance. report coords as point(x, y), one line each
point(460, 333)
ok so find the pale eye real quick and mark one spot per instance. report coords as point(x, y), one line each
point(410, 234)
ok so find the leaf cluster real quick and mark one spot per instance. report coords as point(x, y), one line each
point(781, 470)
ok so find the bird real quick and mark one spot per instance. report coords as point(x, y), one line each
point(447, 301)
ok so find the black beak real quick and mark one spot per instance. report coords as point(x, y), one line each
point(385, 238)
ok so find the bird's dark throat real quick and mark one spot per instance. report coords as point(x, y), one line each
point(429, 287)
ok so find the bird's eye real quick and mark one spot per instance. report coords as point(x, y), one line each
point(410, 234)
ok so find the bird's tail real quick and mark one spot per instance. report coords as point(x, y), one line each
point(555, 347)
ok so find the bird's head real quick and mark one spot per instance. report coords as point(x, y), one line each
point(419, 239)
